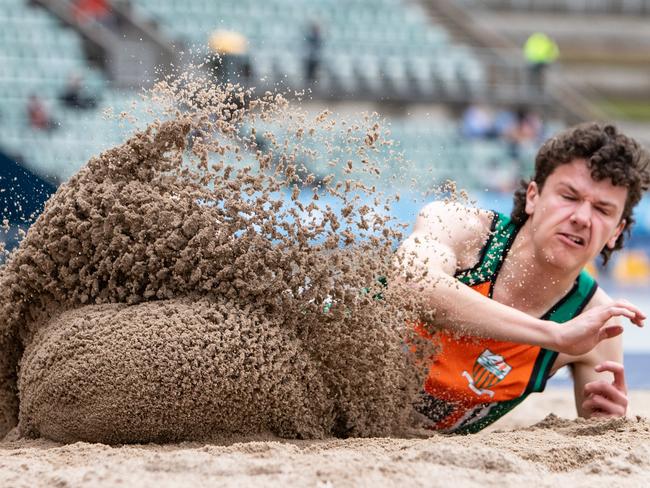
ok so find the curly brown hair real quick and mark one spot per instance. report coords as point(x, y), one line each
point(609, 154)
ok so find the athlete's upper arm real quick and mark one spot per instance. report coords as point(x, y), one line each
point(443, 236)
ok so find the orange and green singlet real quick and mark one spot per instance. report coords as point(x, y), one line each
point(474, 381)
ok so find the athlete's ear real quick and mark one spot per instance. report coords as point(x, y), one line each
point(619, 228)
point(532, 194)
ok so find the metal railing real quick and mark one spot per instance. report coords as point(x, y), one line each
point(612, 7)
point(131, 52)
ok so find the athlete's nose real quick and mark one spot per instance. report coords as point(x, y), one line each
point(582, 214)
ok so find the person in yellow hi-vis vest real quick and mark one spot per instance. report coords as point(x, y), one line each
point(539, 51)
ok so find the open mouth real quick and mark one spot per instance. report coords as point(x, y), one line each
point(577, 240)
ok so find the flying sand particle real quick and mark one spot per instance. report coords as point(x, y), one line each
point(177, 288)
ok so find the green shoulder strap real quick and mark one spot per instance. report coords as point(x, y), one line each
point(502, 235)
point(566, 309)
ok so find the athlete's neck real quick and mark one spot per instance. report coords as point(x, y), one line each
point(529, 282)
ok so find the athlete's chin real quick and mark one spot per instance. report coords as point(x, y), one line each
point(566, 261)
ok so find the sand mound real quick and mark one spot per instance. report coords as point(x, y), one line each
point(211, 368)
point(165, 294)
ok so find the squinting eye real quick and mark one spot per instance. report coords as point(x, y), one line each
point(602, 211)
point(568, 197)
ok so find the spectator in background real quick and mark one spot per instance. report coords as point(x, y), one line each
point(314, 44)
point(38, 115)
point(231, 62)
point(504, 119)
point(73, 95)
point(526, 131)
point(97, 10)
point(477, 123)
point(540, 51)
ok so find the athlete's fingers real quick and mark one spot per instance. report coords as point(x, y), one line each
point(589, 408)
point(607, 390)
point(631, 306)
point(614, 311)
point(617, 370)
point(639, 316)
point(605, 405)
point(610, 330)
point(598, 403)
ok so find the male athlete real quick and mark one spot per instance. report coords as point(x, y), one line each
point(512, 302)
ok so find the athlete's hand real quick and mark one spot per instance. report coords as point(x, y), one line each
point(581, 334)
point(604, 399)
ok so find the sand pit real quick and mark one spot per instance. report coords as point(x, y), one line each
point(179, 295)
point(554, 453)
point(176, 288)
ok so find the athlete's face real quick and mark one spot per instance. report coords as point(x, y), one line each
point(574, 217)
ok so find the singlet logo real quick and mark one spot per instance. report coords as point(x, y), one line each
point(489, 369)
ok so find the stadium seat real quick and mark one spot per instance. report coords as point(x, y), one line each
point(362, 30)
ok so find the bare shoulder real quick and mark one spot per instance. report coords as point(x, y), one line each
point(600, 298)
point(463, 229)
point(453, 219)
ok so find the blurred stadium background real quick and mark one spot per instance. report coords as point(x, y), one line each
point(450, 76)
